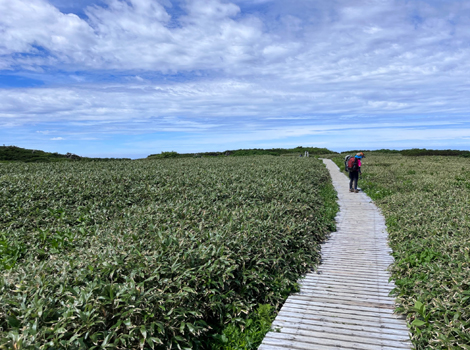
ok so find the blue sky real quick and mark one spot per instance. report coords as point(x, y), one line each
point(128, 78)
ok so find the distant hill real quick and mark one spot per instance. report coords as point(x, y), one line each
point(14, 153)
point(18, 154)
point(246, 152)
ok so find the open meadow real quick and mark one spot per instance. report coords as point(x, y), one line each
point(426, 203)
point(165, 254)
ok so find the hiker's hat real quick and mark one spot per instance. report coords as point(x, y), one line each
point(360, 155)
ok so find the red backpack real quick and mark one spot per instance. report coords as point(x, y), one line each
point(353, 164)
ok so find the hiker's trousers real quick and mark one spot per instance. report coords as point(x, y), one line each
point(353, 177)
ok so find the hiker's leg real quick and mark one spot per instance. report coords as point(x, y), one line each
point(351, 177)
point(356, 177)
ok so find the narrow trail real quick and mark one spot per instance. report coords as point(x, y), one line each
point(345, 304)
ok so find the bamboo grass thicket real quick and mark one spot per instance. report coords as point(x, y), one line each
point(164, 254)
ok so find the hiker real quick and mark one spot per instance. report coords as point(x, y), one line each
point(354, 171)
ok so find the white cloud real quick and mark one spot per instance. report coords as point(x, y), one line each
point(135, 34)
point(227, 99)
point(57, 139)
point(28, 26)
point(362, 40)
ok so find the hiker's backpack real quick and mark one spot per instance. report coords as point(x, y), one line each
point(346, 162)
point(353, 164)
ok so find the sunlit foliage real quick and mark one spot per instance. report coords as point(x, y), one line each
point(174, 253)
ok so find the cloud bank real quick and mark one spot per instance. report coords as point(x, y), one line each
point(178, 74)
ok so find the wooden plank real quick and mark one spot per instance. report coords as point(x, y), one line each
point(346, 301)
point(309, 343)
point(360, 337)
point(347, 282)
point(312, 305)
point(344, 270)
point(343, 320)
point(325, 278)
point(376, 262)
point(306, 300)
point(364, 263)
point(375, 290)
point(286, 345)
point(347, 296)
point(343, 277)
point(344, 316)
point(364, 273)
point(301, 323)
point(352, 292)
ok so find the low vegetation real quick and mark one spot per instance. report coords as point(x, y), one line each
point(168, 254)
point(426, 203)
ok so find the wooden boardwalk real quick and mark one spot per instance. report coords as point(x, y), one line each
point(345, 303)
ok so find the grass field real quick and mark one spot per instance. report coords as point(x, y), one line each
point(426, 203)
point(175, 253)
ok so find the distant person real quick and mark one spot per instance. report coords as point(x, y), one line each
point(354, 171)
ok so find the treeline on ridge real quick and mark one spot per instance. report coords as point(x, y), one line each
point(15, 153)
point(416, 152)
point(246, 152)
